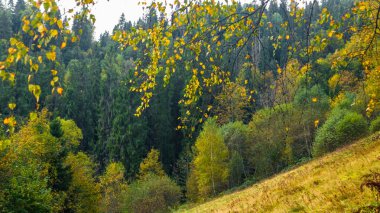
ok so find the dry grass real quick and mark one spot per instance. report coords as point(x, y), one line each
point(327, 184)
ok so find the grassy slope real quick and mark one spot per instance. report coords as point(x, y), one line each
point(328, 184)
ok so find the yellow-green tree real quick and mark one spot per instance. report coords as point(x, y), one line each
point(112, 185)
point(232, 103)
point(72, 135)
point(211, 160)
point(151, 165)
point(192, 187)
point(25, 165)
point(34, 177)
point(83, 194)
point(288, 82)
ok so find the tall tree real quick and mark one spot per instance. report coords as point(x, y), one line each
point(85, 28)
point(18, 13)
point(211, 160)
point(5, 22)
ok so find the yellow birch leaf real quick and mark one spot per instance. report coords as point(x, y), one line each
point(60, 90)
point(11, 106)
point(60, 24)
point(63, 45)
point(51, 56)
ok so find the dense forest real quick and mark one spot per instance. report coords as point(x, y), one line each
point(178, 106)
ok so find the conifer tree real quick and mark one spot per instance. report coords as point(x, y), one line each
point(5, 22)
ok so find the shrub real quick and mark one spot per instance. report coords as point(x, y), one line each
point(267, 133)
point(236, 137)
point(192, 187)
point(36, 173)
point(152, 194)
point(25, 161)
point(112, 185)
point(314, 97)
point(349, 101)
point(375, 125)
point(342, 127)
point(83, 194)
point(26, 191)
point(279, 137)
point(236, 169)
point(372, 182)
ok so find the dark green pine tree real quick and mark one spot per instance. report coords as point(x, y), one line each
point(162, 120)
point(55, 128)
point(81, 84)
point(5, 22)
point(85, 29)
point(11, 6)
point(151, 19)
point(121, 135)
point(18, 13)
point(123, 24)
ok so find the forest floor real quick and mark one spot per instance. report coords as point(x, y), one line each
point(327, 184)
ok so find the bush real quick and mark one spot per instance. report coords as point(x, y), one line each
point(192, 187)
point(152, 194)
point(279, 137)
point(112, 185)
point(342, 127)
point(236, 169)
point(26, 191)
point(349, 101)
point(375, 125)
point(83, 194)
point(306, 98)
point(236, 137)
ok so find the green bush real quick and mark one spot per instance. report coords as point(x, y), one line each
point(375, 125)
point(236, 165)
point(152, 194)
point(280, 136)
point(236, 137)
point(351, 101)
point(268, 132)
point(304, 98)
point(342, 127)
point(26, 190)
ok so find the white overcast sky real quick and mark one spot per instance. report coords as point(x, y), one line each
point(107, 13)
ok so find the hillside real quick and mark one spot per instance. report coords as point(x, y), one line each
point(328, 184)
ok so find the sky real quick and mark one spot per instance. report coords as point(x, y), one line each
point(108, 13)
